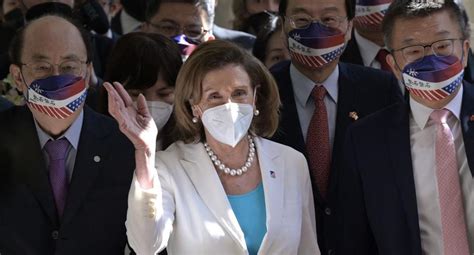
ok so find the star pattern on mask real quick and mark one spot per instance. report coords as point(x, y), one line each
point(412, 73)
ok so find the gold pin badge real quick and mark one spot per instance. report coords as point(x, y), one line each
point(354, 116)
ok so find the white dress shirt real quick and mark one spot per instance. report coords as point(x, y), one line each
point(368, 50)
point(302, 87)
point(423, 138)
point(72, 134)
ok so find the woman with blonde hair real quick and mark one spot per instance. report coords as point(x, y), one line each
point(222, 188)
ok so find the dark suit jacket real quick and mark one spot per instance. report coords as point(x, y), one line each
point(4, 104)
point(352, 55)
point(377, 191)
point(240, 38)
point(361, 90)
point(95, 212)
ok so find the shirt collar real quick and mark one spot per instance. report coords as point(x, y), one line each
point(421, 113)
point(303, 86)
point(72, 134)
point(368, 49)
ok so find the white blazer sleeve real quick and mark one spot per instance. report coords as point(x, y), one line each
point(308, 241)
point(150, 215)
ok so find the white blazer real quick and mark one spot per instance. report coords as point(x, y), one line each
point(188, 212)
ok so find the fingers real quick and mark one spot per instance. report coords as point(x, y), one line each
point(142, 108)
point(123, 94)
point(115, 102)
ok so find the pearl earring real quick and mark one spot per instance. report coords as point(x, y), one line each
point(256, 112)
point(195, 119)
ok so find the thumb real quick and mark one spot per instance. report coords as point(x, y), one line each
point(142, 108)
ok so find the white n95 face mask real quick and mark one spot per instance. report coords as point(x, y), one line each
point(228, 123)
point(160, 112)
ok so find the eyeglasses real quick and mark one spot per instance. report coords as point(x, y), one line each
point(439, 48)
point(302, 21)
point(42, 69)
point(171, 29)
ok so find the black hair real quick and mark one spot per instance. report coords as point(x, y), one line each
point(260, 46)
point(138, 58)
point(409, 9)
point(350, 8)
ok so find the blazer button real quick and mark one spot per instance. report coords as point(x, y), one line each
point(327, 211)
point(55, 235)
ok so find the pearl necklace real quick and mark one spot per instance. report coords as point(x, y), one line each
point(227, 170)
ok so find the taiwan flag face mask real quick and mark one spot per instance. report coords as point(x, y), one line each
point(316, 45)
point(370, 13)
point(57, 96)
point(433, 78)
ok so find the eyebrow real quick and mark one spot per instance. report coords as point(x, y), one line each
point(37, 56)
point(440, 33)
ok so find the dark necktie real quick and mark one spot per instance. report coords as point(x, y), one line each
point(317, 141)
point(382, 59)
point(57, 152)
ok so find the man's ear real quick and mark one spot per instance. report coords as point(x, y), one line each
point(348, 35)
point(466, 50)
point(15, 71)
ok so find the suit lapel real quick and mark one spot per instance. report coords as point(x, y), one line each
point(398, 140)
point(34, 169)
point(345, 103)
point(86, 168)
point(289, 132)
point(202, 174)
point(273, 184)
point(467, 122)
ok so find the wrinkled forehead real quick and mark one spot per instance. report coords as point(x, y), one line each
point(52, 38)
point(424, 29)
point(183, 14)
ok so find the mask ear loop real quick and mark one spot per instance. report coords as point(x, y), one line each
point(26, 94)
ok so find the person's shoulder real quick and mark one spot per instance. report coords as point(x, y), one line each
point(277, 149)
point(364, 72)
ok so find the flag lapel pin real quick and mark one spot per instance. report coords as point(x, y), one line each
point(353, 116)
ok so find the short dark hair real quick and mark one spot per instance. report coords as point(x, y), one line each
point(153, 7)
point(138, 58)
point(260, 46)
point(16, 45)
point(350, 8)
point(409, 9)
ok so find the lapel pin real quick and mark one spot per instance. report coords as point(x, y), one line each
point(354, 116)
point(272, 174)
point(96, 159)
point(471, 118)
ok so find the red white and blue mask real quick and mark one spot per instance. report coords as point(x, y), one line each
point(316, 45)
point(57, 96)
point(186, 45)
point(433, 78)
point(371, 12)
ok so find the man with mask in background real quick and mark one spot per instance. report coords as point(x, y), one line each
point(367, 46)
point(321, 97)
point(407, 183)
point(65, 171)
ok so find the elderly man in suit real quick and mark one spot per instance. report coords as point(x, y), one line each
point(407, 185)
point(65, 171)
point(321, 97)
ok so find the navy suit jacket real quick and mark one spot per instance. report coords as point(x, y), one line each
point(352, 55)
point(361, 90)
point(377, 192)
point(95, 211)
point(4, 104)
point(242, 39)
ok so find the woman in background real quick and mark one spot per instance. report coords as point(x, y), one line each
point(147, 64)
point(269, 46)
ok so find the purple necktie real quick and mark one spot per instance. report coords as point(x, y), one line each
point(57, 152)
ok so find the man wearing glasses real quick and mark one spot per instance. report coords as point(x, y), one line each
point(407, 186)
point(65, 171)
point(321, 97)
